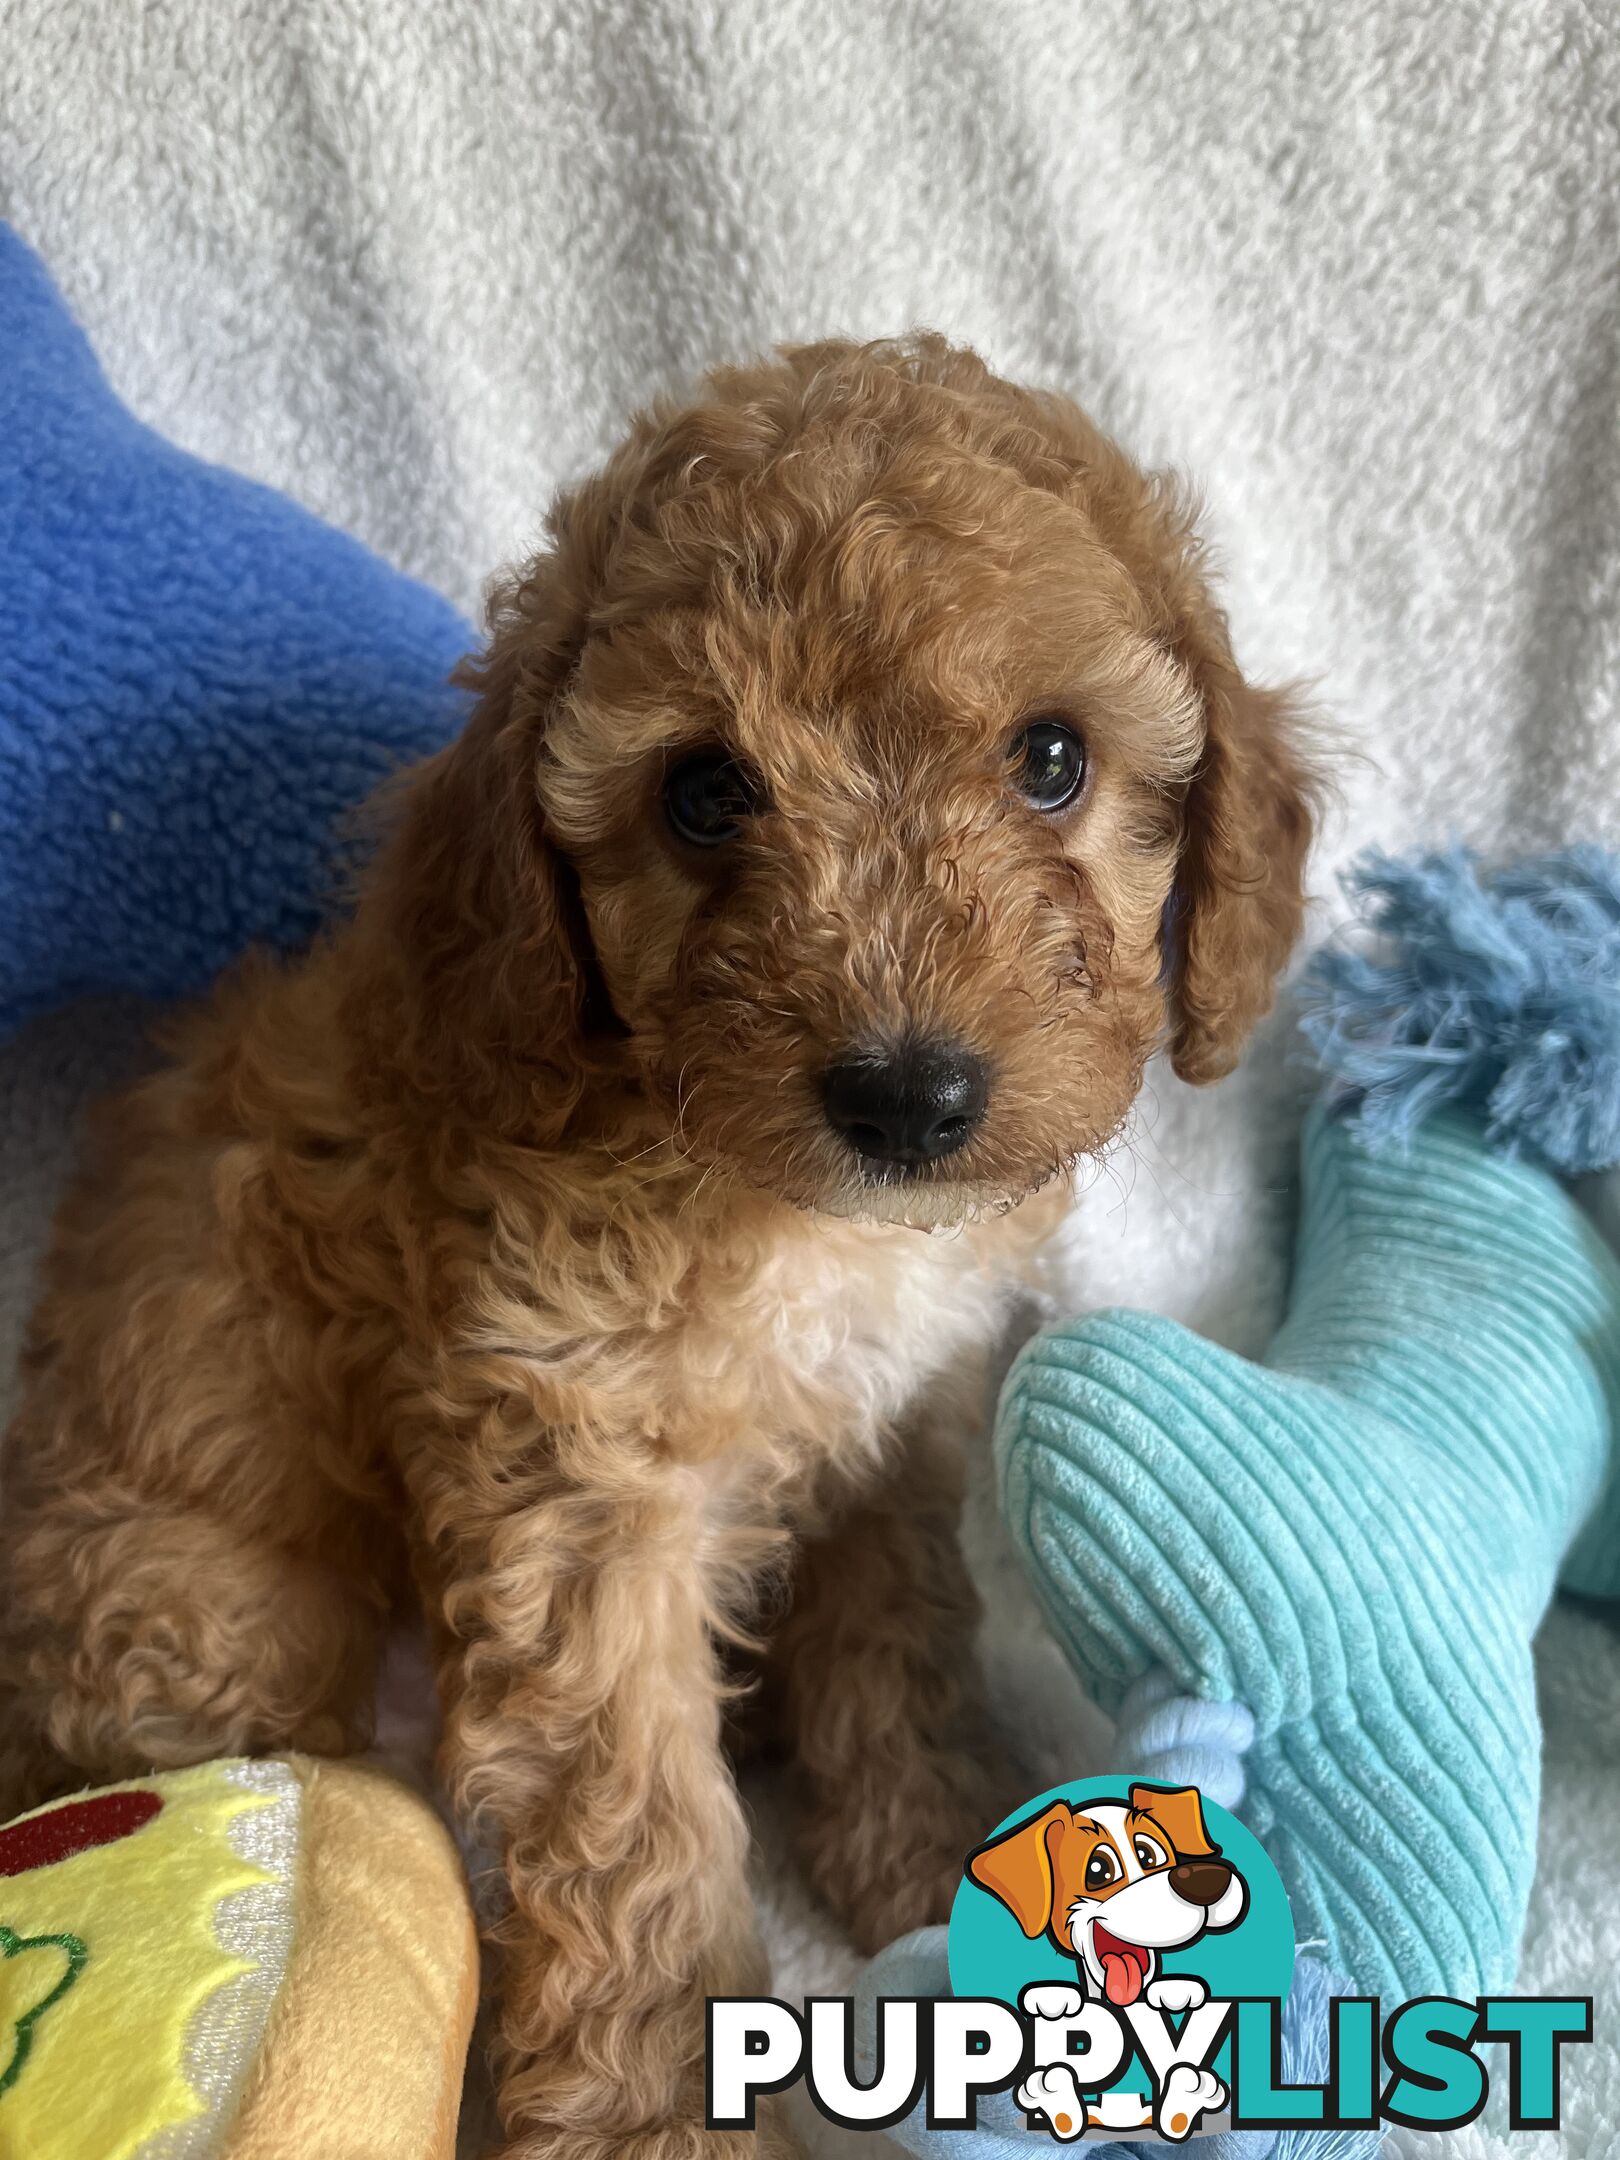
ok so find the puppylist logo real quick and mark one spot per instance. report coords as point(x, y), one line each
point(1126, 1891)
point(1120, 1954)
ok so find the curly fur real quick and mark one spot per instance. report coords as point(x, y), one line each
point(498, 1255)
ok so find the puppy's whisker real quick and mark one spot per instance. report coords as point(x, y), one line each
point(682, 1104)
point(1204, 1192)
point(653, 1147)
point(1108, 1167)
point(689, 1204)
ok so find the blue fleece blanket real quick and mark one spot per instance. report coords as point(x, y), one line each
point(197, 681)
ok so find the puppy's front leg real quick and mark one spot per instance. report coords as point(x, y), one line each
point(882, 1700)
point(583, 1734)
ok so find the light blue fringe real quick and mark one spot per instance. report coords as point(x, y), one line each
point(1497, 991)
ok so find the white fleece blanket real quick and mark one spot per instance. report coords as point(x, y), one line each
point(1357, 267)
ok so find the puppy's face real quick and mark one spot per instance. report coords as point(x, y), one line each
point(874, 855)
point(864, 710)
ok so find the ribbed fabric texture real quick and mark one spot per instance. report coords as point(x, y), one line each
point(1355, 1538)
point(198, 681)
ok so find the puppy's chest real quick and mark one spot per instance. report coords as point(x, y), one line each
point(824, 1341)
point(784, 1347)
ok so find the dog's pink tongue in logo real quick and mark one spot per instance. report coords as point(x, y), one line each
point(1124, 1967)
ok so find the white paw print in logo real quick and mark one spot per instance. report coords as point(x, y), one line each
point(1187, 2097)
point(1054, 2095)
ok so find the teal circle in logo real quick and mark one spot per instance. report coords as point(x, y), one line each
point(1037, 1898)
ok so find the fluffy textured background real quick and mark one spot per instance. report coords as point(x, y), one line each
point(1357, 268)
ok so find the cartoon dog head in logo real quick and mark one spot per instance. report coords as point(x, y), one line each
point(1116, 1885)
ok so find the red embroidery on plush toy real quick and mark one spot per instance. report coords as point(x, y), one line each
point(75, 1827)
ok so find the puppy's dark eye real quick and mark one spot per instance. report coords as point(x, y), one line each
point(1101, 1869)
point(1048, 762)
point(707, 796)
point(1148, 1854)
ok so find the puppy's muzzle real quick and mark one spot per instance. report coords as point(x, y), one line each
point(904, 1108)
point(1201, 1882)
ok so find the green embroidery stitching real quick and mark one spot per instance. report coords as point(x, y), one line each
point(12, 1945)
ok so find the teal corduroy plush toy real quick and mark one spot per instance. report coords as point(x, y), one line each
point(1333, 1560)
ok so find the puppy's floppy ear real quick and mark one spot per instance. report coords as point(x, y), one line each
point(1179, 1813)
point(483, 912)
point(1246, 822)
point(1020, 1869)
point(1246, 830)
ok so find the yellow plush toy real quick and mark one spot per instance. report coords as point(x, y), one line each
point(247, 1961)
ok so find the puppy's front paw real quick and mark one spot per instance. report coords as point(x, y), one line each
point(1176, 1993)
point(1051, 1999)
point(1054, 2095)
point(1188, 2095)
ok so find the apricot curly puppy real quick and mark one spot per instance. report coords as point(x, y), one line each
point(861, 787)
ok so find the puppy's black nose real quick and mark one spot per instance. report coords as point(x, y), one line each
point(908, 1106)
point(1200, 1882)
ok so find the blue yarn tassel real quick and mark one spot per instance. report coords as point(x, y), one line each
point(1498, 992)
point(1180, 1741)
